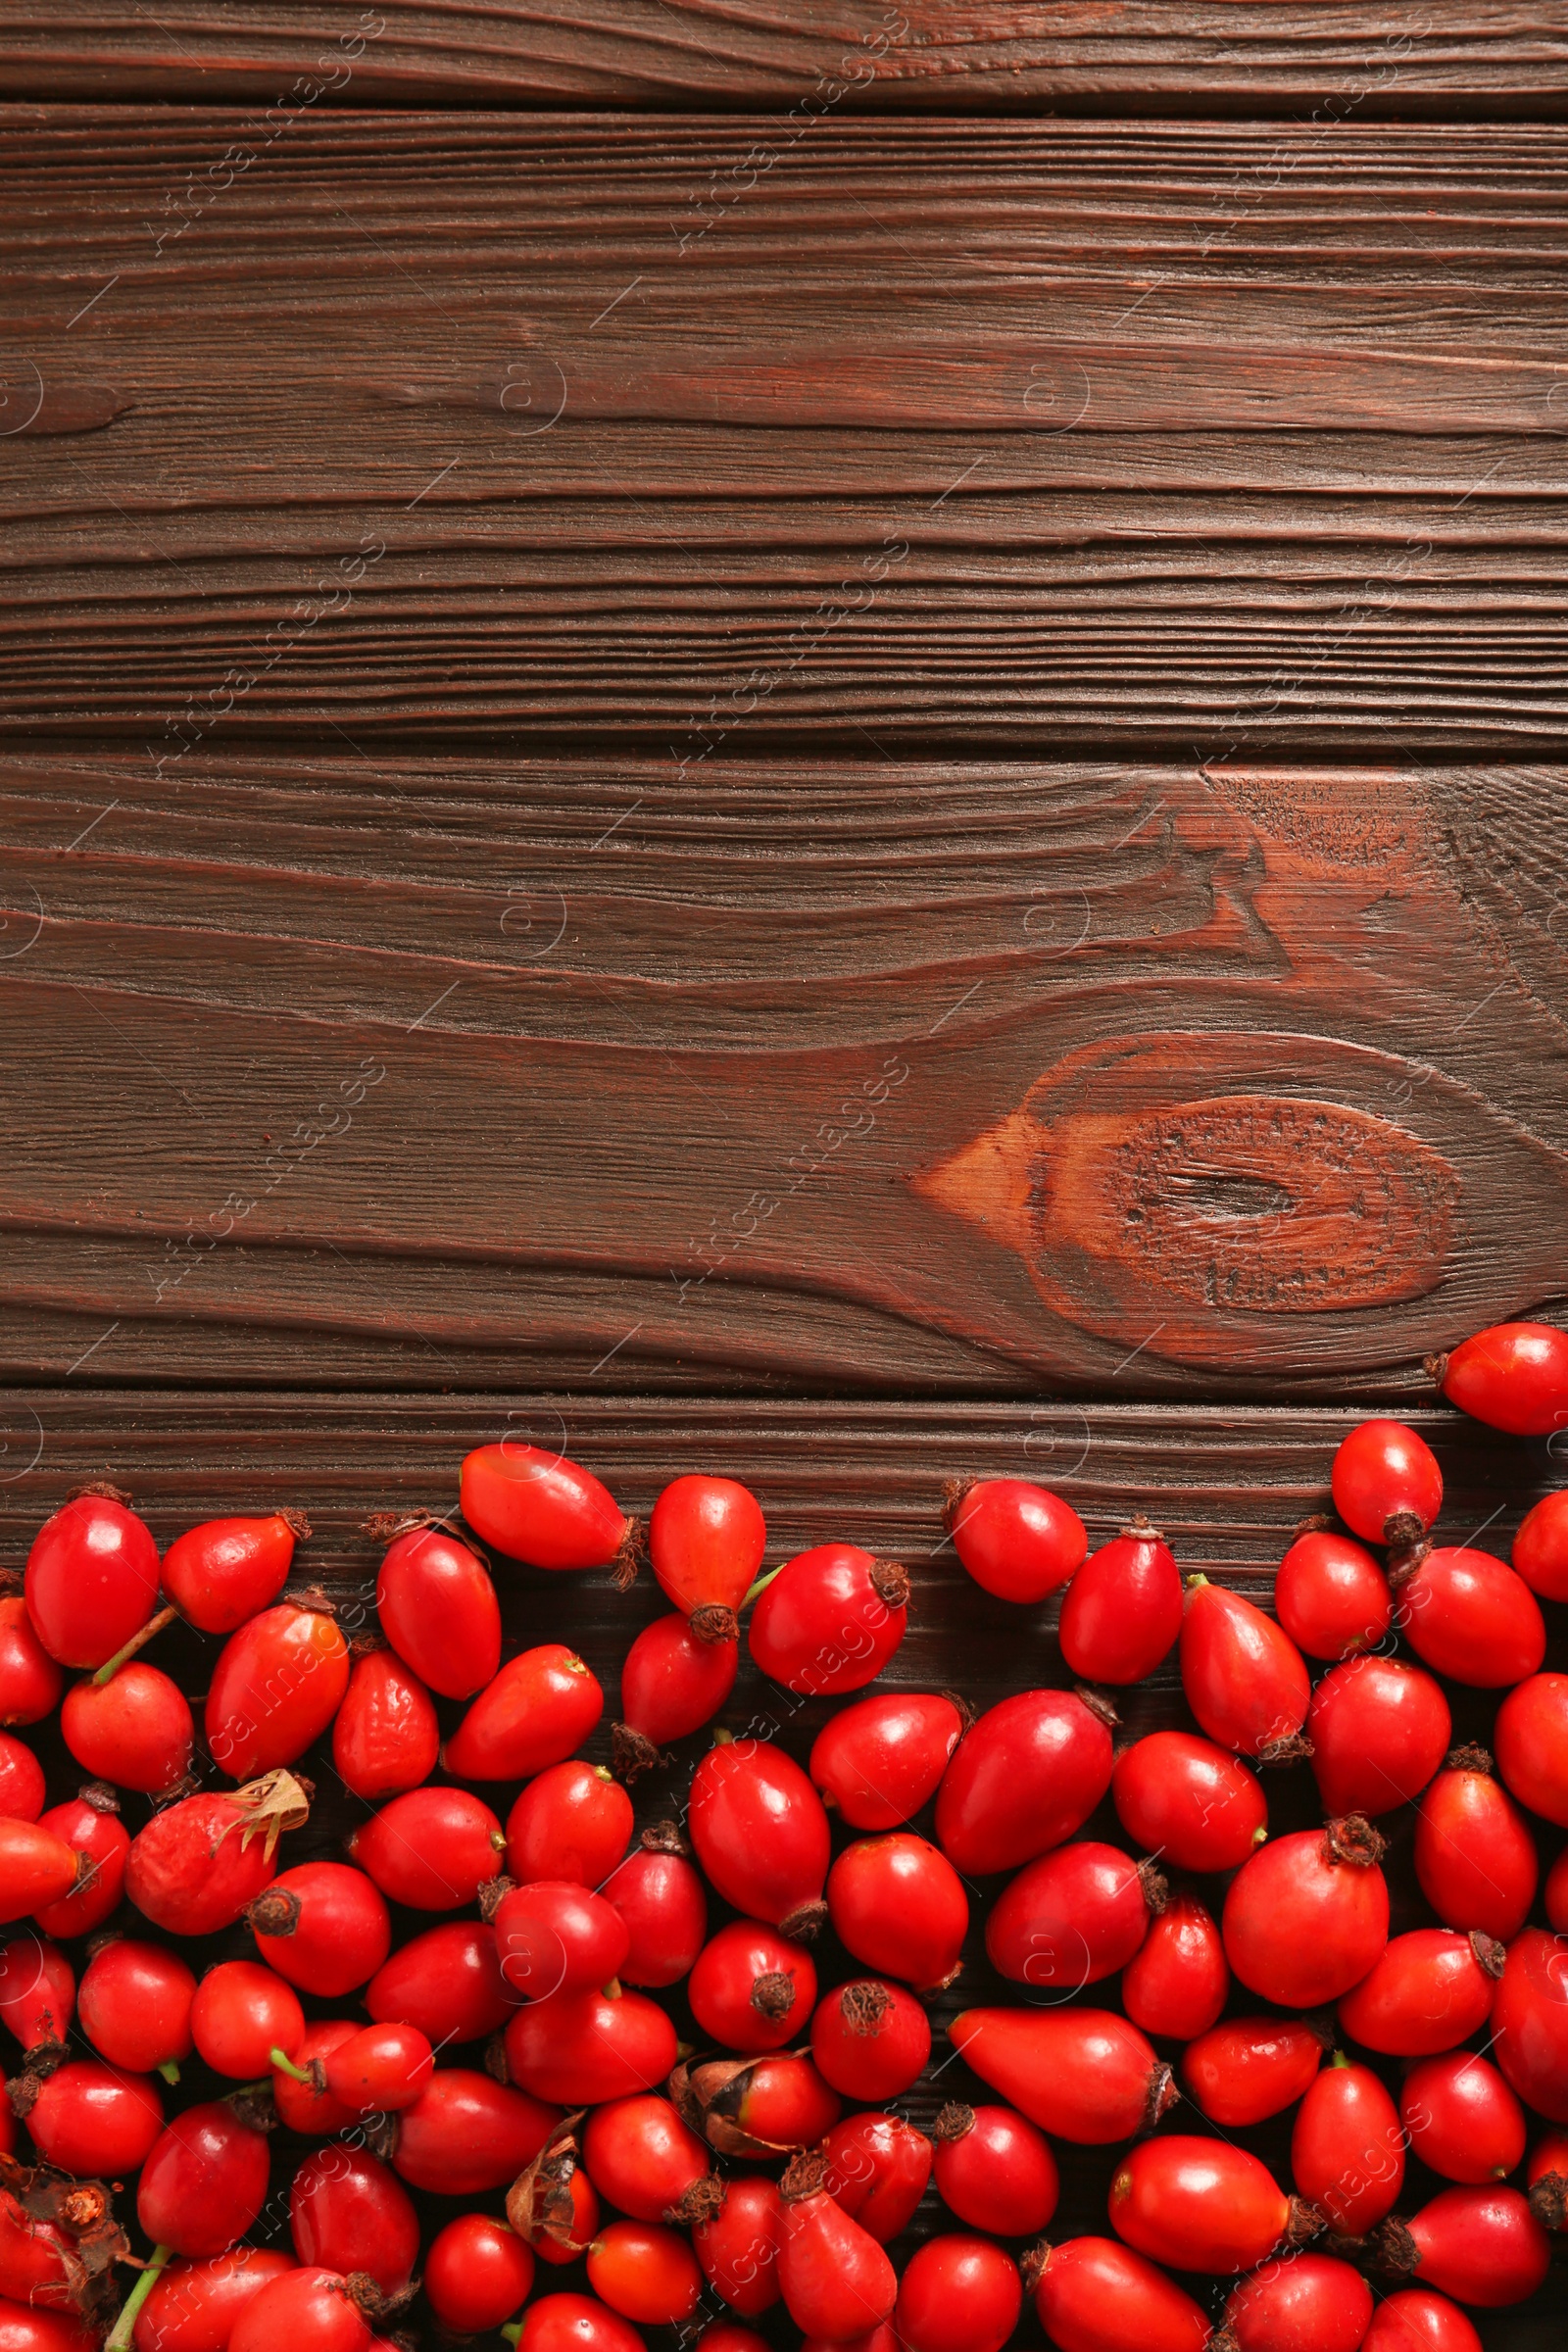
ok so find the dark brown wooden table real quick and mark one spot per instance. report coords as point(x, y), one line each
point(822, 746)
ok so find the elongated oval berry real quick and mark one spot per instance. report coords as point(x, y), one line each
point(1017, 1541)
point(277, 1684)
point(1513, 1376)
point(959, 2294)
point(31, 1681)
point(540, 1708)
point(899, 1906)
point(1076, 1914)
point(1347, 2147)
point(1540, 1551)
point(1427, 1991)
point(1462, 2120)
point(1198, 2204)
point(240, 2015)
point(578, 2049)
point(1531, 1737)
point(385, 1738)
point(431, 1849)
point(226, 1570)
point(1481, 2245)
point(835, 2278)
point(646, 2271)
point(1249, 2067)
point(871, 2040)
point(829, 1620)
point(37, 1990)
point(1084, 2074)
point(1307, 2299)
point(1095, 2295)
point(1474, 1855)
point(91, 2118)
point(877, 2170)
point(706, 1540)
point(539, 1508)
point(1530, 2022)
point(379, 2070)
point(882, 1759)
point(1188, 1802)
point(1387, 1485)
point(347, 2211)
point(661, 1899)
point(91, 1826)
point(38, 1868)
point(136, 2003)
point(994, 2168)
point(1245, 1681)
point(134, 1731)
point(438, 1608)
point(1022, 1779)
point(1469, 1616)
point(573, 1822)
point(466, 2133)
point(642, 2159)
point(1417, 2321)
point(1176, 1983)
point(1123, 1609)
point(739, 2247)
point(1377, 1730)
point(91, 1578)
point(196, 1865)
point(760, 1834)
point(672, 1682)
point(753, 1990)
point(1306, 1916)
point(447, 1981)
point(553, 1936)
point(204, 2181)
point(476, 2273)
point(1332, 1597)
point(323, 1926)
point(193, 2306)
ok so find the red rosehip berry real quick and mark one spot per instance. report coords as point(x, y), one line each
point(1387, 1485)
point(1123, 1609)
point(1017, 1541)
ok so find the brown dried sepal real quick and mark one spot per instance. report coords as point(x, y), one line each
point(1161, 2095)
point(714, 1624)
point(1103, 1709)
point(101, 1487)
point(539, 2201)
point(255, 2105)
point(1305, 2223)
point(954, 2120)
point(956, 1491)
point(89, 2240)
point(372, 2302)
point(380, 2131)
point(702, 2201)
point(314, 1597)
point(276, 1911)
point(1351, 1838)
point(299, 1527)
point(1315, 1523)
point(1142, 1531)
point(492, 1894)
point(773, 1994)
point(623, 1567)
point(890, 1582)
point(962, 1707)
point(278, 1801)
point(1155, 1886)
point(631, 1755)
point(1408, 1545)
point(1436, 1368)
point(863, 2005)
point(707, 2097)
point(100, 1796)
point(366, 1645)
point(1294, 1748)
point(665, 1838)
point(1392, 2250)
point(1032, 2264)
point(11, 1581)
point(385, 1527)
point(1491, 1955)
point(805, 2176)
point(805, 1922)
point(1470, 1758)
point(1549, 2202)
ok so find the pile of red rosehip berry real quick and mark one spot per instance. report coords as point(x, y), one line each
point(513, 2057)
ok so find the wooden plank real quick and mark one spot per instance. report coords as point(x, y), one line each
point(934, 1074)
point(1226, 1484)
point(1456, 57)
point(955, 433)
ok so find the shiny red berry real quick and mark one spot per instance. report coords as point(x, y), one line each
point(760, 1834)
point(307, 2310)
point(1017, 1541)
point(226, 1570)
point(899, 1906)
point(438, 1608)
point(204, 2180)
point(577, 2048)
point(705, 1540)
point(1123, 1609)
point(539, 1708)
point(1249, 2067)
point(1463, 2121)
point(1417, 2321)
point(1347, 2147)
point(1540, 1551)
point(134, 1731)
point(1428, 1991)
point(1306, 2299)
point(136, 2002)
point(994, 2170)
point(447, 1981)
point(646, 2271)
point(195, 1865)
point(1529, 2024)
point(1332, 1597)
point(1387, 1485)
point(836, 2279)
point(380, 2070)
point(1513, 1376)
point(880, 1760)
point(1188, 1802)
point(1470, 1617)
point(242, 2014)
point(877, 2170)
point(476, 2273)
point(830, 1620)
point(276, 1686)
point(573, 1822)
point(539, 1508)
point(90, 1824)
point(1245, 1680)
point(1198, 2204)
point(193, 2306)
point(1306, 1916)
point(1531, 1738)
point(1176, 1983)
point(385, 1737)
point(431, 1849)
point(92, 1578)
point(22, 1782)
point(37, 1990)
point(645, 2160)
point(1073, 1917)
point(959, 2294)
point(661, 1899)
point(466, 2133)
point(672, 1682)
point(1022, 1779)
point(1474, 1854)
point(553, 1935)
point(1379, 1730)
point(1084, 2074)
point(348, 2212)
point(1095, 2295)
point(739, 2247)
point(323, 1926)
point(93, 2120)
point(753, 1990)
point(31, 1681)
point(1481, 2245)
point(871, 2040)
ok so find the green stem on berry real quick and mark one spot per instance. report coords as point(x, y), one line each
point(170, 2071)
point(153, 1625)
point(286, 2065)
point(119, 2340)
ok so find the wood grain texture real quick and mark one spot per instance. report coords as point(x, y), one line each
point(1009, 435)
point(901, 1075)
point(1226, 1485)
point(1456, 57)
